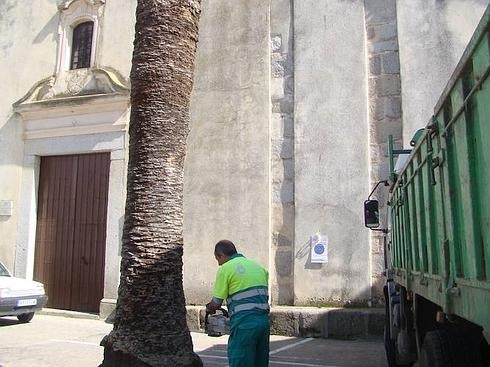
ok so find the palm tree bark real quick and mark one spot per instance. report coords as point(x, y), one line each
point(150, 321)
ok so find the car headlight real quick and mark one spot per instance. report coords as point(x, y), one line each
point(4, 292)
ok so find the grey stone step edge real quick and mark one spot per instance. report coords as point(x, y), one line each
point(336, 323)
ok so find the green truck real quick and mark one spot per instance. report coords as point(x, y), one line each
point(438, 233)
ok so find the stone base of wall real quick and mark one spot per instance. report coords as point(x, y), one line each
point(106, 309)
point(337, 323)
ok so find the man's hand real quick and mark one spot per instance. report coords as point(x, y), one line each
point(210, 309)
point(214, 305)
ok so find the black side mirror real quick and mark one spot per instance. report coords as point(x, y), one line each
point(371, 213)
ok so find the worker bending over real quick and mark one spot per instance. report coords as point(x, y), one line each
point(244, 285)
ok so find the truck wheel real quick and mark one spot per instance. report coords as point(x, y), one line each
point(390, 344)
point(436, 350)
point(390, 347)
point(25, 317)
point(449, 348)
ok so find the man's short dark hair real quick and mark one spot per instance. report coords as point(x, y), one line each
point(225, 247)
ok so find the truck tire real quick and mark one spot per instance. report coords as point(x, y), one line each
point(390, 347)
point(389, 342)
point(435, 351)
point(449, 348)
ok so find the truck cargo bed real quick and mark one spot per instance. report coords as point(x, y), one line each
point(440, 201)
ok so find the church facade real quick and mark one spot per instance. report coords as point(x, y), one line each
point(292, 104)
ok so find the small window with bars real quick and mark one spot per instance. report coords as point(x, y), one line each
point(81, 51)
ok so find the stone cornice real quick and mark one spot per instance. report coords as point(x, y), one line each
point(72, 105)
point(67, 3)
point(71, 84)
point(75, 102)
point(79, 115)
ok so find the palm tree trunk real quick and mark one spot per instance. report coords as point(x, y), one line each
point(150, 322)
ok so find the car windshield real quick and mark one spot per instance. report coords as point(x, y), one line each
point(3, 271)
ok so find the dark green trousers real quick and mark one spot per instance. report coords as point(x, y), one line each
point(248, 344)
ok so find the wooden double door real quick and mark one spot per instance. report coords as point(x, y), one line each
point(71, 230)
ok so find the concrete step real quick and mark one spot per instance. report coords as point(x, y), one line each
point(337, 323)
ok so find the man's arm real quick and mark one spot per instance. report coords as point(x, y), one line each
point(220, 292)
point(214, 305)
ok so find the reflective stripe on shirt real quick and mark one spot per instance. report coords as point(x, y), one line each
point(249, 293)
point(250, 306)
point(249, 300)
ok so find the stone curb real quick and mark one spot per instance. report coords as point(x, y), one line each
point(67, 313)
point(337, 323)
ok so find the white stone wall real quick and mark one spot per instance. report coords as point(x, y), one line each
point(117, 35)
point(331, 150)
point(227, 184)
point(433, 35)
point(27, 54)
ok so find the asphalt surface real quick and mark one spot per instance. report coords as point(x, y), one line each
point(56, 341)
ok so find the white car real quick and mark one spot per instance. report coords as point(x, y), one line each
point(20, 297)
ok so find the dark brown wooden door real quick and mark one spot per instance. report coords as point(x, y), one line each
point(71, 230)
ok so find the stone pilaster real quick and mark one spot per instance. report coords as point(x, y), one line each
point(282, 155)
point(385, 112)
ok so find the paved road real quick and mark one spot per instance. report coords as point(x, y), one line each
point(55, 341)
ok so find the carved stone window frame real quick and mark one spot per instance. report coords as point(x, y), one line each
point(73, 13)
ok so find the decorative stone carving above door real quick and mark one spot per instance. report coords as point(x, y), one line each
point(82, 101)
point(80, 82)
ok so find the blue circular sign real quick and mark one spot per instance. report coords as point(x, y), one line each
point(319, 248)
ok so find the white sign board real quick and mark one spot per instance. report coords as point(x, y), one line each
point(319, 249)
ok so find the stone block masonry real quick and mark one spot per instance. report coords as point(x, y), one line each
point(282, 153)
point(384, 90)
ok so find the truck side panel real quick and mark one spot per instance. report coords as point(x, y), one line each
point(440, 243)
